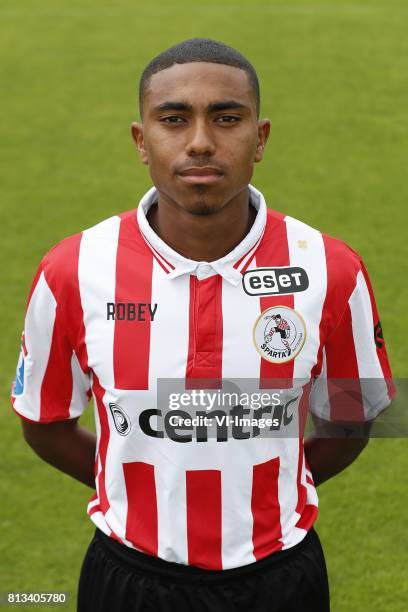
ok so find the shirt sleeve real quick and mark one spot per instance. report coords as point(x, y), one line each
point(355, 381)
point(51, 384)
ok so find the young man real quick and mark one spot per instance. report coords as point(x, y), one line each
point(182, 295)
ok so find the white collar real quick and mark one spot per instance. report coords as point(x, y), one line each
point(229, 266)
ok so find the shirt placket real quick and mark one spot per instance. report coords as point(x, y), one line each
point(205, 338)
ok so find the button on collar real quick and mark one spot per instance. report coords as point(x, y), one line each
point(203, 270)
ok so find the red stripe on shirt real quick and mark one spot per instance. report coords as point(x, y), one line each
point(57, 385)
point(99, 392)
point(23, 345)
point(165, 265)
point(346, 402)
point(265, 507)
point(204, 361)
point(273, 252)
point(68, 332)
point(240, 261)
point(381, 350)
point(303, 413)
point(141, 519)
point(336, 316)
point(338, 290)
point(308, 518)
point(96, 507)
point(203, 501)
point(248, 263)
point(301, 489)
point(308, 512)
point(335, 331)
point(134, 269)
point(159, 256)
point(160, 263)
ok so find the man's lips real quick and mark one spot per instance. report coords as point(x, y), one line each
point(206, 174)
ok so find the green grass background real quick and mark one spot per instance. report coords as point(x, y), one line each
point(334, 83)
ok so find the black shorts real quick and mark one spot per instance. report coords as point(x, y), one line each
point(115, 578)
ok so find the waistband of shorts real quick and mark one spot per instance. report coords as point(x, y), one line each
point(158, 567)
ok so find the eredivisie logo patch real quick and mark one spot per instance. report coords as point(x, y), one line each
point(279, 334)
point(18, 383)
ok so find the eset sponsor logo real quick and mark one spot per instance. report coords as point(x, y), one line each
point(275, 281)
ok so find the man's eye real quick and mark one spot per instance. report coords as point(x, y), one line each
point(228, 119)
point(172, 119)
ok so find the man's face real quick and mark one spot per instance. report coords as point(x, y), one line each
point(200, 134)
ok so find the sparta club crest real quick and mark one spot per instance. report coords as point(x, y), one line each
point(279, 334)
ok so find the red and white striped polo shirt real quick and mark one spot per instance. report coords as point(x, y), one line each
point(113, 310)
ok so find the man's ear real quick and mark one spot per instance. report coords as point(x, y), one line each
point(137, 135)
point(264, 127)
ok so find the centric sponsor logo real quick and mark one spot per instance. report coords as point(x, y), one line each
point(279, 334)
point(236, 423)
point(275, 281)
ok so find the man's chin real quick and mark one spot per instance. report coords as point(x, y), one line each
point(201, 209)
point(200, 200)
point(201, 204)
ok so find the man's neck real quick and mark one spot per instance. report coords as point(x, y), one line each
point(203, 237)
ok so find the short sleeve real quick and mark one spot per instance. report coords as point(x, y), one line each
point(51, 384)
point(355, 381)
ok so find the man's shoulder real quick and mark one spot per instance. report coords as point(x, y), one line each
point(57, 263)
point(335, 250)
point(103, 230)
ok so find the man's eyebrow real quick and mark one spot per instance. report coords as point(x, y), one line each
point(214, 106)
point(225, 105)
point(178, 106)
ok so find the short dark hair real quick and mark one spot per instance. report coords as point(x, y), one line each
point(199, 50)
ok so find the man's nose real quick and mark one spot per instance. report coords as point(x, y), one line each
point(200, 140)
